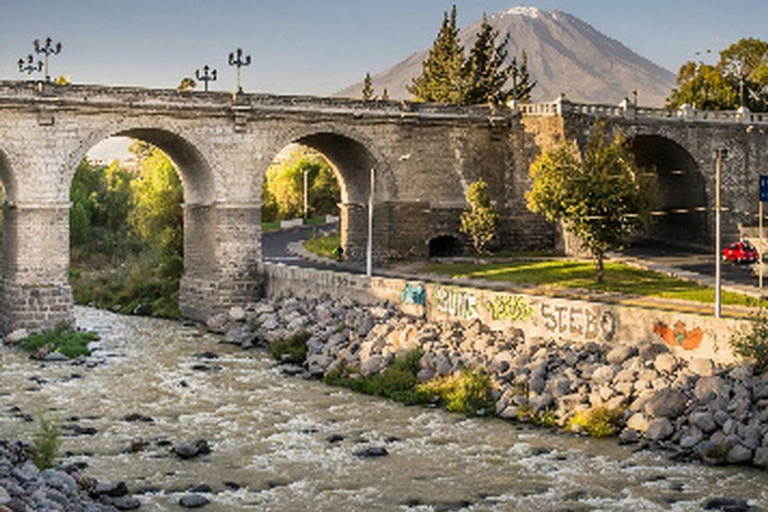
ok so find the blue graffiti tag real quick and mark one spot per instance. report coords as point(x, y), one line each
point(414, 294)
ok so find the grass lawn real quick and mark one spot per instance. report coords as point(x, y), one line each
point(268, 226)
point(314, 221)
point(619, 278)
point(324, 245)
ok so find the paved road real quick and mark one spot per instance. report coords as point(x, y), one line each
point(695, 260)
point(274, 245)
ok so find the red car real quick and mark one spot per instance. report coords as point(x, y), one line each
point(740, 252)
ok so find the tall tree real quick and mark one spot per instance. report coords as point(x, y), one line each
point(739, 78)
point(486, 71)
point(522, 83)
point(601, 197)
point(367, 88)
point(479, 220)
point(442, 75)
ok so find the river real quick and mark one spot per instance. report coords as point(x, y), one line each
point(269, 437)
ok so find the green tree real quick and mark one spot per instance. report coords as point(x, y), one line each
point(740, 77)
point(485, 70)
point(156, 214)
point(601, 197)
point(480, 220)
point(522, 83)
point(385, 95)
point(285, 185)
point(368, 88)
point(442, 76)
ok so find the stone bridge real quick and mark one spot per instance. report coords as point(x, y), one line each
point(424, 157)
point(680, 146)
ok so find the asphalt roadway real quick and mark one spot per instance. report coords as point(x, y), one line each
point(274, 245)
point(697, 260)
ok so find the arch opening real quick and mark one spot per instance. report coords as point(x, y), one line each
point(682, 197)
point(351, 162)
point(141, 221)
point(445, 246)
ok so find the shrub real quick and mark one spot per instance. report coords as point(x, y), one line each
point(46, 444)
point(598, 421)
point(398, 382)
point(293, 350)
point(468, 392)
point(752, 343)
point(63, 338)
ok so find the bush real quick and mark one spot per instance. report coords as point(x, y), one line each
point(398, 382)
point(63, 339)
point(46, 444)
point(293, 350)
point(598, 422)
point(469, 392)
point(752, 343)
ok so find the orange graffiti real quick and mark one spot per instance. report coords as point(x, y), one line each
point(678, 335)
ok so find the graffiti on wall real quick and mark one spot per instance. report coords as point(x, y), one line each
point(588, 322)
point(509, 307)
point(456, 302)
point(678, 335)
point(414, 294)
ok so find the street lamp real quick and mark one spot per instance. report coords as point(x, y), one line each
point(208, 75)
point(48, 49)
point(236, 59)
point(30, 66)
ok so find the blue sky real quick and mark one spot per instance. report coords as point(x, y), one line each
point(320, 46)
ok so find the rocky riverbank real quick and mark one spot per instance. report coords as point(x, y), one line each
point(24, 488)
point(642, 392)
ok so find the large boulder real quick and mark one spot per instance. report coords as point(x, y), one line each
point(666, 403)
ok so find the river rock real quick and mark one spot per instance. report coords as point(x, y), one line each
point(638, 422)
point(191, 450)
point(112, 489)
point(727, 505)
point(217, 323)
point(236, 314)
point(665, 363)
point(666, 403)
point(739, 454)
point(372, 452)
point(193, 501)
point(702, 367)
point(620, 353)
point(126, 503)
point(16, 336)
point(704, 421)
point(659, 429)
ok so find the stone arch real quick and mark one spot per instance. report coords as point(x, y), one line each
point(352, 155)
point(200, 201)
point(445, 245)
point(194, 169)
point(682, 193)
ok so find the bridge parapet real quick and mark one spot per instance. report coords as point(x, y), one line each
point(14, 94)
point(627, 110)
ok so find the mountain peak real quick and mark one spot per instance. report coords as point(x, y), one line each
point(527, 11)
point(565, 55)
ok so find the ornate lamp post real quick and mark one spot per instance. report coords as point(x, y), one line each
point(208, 75)
point(236, 59)
point(48, 49)
point(29, 65)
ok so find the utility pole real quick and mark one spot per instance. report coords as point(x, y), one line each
point(306, 196)
point(236, 59)
point(720, 154)
point(369, 244)
point(47, 49)
point(208, 75)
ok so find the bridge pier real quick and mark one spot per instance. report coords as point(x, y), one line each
point(222, 249)
point(35, 288)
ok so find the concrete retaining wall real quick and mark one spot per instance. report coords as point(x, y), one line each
point(689, 336)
